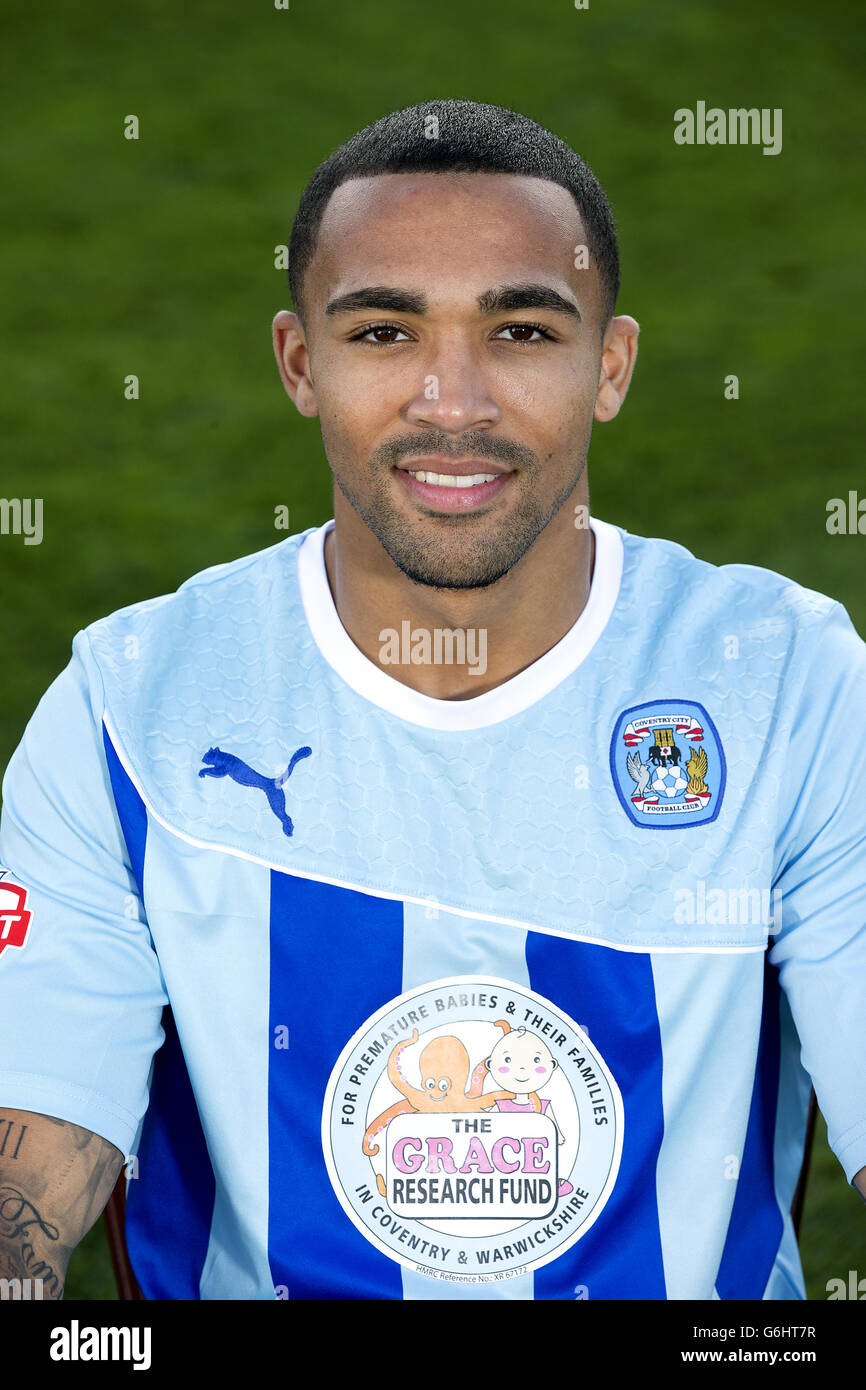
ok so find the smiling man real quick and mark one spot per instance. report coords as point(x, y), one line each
point(403, 978)
point(457, 358)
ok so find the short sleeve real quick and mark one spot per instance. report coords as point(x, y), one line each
point(81, 989)
point(820, 922)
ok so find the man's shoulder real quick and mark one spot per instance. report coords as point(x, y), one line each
point(666, 571)
point(234, 598)
point(226, 633)
point(765, 629)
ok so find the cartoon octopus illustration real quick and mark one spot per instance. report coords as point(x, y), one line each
point(444, 1078)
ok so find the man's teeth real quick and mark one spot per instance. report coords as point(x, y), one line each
point(453, 479)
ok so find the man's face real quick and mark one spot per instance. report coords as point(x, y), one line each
point(450, 334)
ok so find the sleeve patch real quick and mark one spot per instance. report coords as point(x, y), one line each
point(14, 914)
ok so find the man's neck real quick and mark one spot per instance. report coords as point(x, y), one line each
point(506, 626)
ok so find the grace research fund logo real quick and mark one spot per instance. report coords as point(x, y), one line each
point(471, 1130)
point(668, 764)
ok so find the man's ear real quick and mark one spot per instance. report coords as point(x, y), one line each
point(553, 1064)
point(293, 360)
point(617, 364)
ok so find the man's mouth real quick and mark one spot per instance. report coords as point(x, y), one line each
point(453, 485)
point(452, 479)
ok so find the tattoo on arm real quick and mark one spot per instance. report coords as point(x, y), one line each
point(17, 1250)
point(52, 1188)
point(11, 1137)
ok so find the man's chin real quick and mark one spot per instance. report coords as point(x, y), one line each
point(434, 569)
point(452, 553)
point(451, 583)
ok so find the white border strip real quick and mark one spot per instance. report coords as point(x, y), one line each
point(509, 698)
point(408, 897)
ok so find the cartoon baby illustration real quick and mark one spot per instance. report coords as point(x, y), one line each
point(523, 1063)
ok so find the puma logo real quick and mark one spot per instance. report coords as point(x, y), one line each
point(227, 765)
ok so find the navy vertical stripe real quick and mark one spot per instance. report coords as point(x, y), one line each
point(756, 1225)
point(336, 958)
point(169, 1206)
point(130, 809)
point(612, 994)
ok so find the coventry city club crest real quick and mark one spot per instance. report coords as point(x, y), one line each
point(668, 764)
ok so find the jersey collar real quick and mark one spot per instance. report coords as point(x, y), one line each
point(519, 693)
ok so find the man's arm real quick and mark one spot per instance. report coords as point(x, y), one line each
point(55, 1179)
point(860, 1183)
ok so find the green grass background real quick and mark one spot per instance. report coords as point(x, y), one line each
point(155, 257)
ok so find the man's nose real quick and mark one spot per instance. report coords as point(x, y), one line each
point(454, 394)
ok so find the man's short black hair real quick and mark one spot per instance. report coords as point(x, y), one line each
point(471, 137)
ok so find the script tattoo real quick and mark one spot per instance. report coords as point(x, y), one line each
point(53, 1187)
point(17, 1215)
point(16, 1210)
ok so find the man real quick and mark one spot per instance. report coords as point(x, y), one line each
point(354, 861)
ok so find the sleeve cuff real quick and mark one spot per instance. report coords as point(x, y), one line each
point(22, 1090)
point(850, 1149)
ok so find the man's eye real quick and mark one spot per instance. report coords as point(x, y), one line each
point(378, 333)
point(523, 332)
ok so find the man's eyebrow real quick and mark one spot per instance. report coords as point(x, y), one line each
point(378, 297)
point(509, 297)
point(502, 300)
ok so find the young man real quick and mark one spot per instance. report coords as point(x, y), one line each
point(331, 879)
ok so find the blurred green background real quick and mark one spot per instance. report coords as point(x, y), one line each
point(156, 257)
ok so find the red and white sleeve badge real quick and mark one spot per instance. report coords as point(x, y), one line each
point(14, 915)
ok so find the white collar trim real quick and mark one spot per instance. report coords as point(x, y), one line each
point(510, 698)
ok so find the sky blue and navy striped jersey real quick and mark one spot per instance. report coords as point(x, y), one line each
point(393, 997)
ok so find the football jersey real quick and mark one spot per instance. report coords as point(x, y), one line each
point(385, 996)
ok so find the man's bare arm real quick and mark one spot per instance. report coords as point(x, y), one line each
point(860, 1183)
point(55, 1179)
